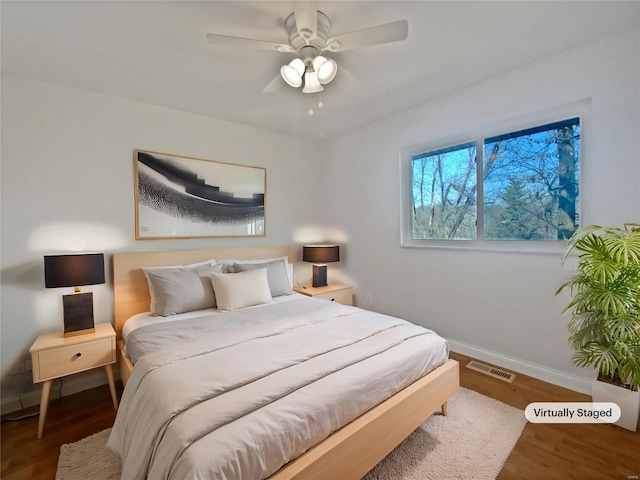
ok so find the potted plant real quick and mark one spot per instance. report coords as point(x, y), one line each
point(605, 324)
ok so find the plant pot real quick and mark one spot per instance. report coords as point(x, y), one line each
point(628, 401)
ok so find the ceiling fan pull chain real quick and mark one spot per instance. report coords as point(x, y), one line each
point(310, 108)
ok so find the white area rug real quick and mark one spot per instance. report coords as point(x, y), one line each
point(88, 459)
point(472, 442)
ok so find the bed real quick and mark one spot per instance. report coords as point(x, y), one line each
point(340, 447)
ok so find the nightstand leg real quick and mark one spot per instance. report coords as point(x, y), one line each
point(112, 386)
point(44, 405)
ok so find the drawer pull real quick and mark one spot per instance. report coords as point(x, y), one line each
point(78, 354)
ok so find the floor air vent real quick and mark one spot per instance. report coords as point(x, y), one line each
point(491, 371)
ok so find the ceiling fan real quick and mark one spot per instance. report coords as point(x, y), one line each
point(308, 32)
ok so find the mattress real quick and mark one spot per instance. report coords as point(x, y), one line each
point(237, 395)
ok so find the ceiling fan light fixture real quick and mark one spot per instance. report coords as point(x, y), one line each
point(292, 73)
point(311, 83)
point(290, 76)
point(318, 61)
point(326, 71)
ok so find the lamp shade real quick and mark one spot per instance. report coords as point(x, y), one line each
point(321, 253)
point(311, 83)
point(73, 270)
point(292, 73)
point(325, 68)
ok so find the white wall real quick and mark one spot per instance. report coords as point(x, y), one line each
point(67, 185)
point(496, 306)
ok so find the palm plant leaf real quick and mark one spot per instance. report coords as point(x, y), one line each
point(600, 356)
point(577, 236)
point(625, 326)
point(629, 371)
point(605, 305)
point(623, 245)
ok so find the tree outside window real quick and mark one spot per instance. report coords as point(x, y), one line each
point(529, 188)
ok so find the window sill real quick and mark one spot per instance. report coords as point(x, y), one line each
point(498, 246)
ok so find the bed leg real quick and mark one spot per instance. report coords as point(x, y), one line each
point(444, 409)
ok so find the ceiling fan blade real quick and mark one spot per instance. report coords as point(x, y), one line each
point(274, 85)
point(385, 33)
point(346, 79)
point(306, 15)
point(247, 43)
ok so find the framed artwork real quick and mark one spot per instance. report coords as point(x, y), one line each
point(184, 197)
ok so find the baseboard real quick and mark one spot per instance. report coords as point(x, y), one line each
point(72, 384)
point(549, 375)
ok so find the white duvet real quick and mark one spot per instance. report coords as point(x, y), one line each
point(261, 386)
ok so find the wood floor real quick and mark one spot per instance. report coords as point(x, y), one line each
point(558, 451)
point(544, 451)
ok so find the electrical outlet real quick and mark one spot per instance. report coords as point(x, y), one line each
point(27, 365)
point(368, 297)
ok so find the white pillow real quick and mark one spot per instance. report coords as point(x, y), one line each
point(239, 290)
point(179, 289)
point(277, 275)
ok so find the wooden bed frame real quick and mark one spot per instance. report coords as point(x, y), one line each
point(348, 453)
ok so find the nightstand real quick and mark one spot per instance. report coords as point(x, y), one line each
point(54, 355)
point(335, 293)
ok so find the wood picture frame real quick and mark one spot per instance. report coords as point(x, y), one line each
point(185, 197)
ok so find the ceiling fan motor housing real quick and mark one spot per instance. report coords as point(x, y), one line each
point(308, 49)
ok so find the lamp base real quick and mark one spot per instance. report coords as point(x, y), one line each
point(79, 332)
point(319, 276)
point(78, 314)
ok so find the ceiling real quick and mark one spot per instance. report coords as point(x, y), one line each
point(156, 52)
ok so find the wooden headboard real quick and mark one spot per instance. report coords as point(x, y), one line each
point(130, 289)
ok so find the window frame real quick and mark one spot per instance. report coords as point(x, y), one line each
point(579, 109)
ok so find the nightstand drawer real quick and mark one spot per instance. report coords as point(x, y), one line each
point(61, 361)
point(341, 296)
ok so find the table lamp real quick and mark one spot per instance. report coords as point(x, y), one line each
point(75, 271)
point(319, 255)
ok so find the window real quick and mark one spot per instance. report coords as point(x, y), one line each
point(444, 193)
point(521, 185)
